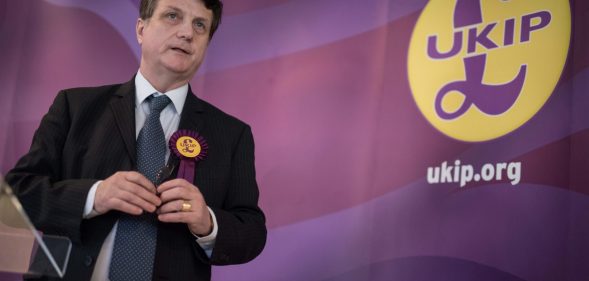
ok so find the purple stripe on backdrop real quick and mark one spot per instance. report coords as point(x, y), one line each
point(121, 15)
point(11, 40)
point(296, 26)
point(437, 268)
point(300, 25)
point(525, 232)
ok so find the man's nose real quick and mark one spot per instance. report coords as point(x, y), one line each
point(185, 31)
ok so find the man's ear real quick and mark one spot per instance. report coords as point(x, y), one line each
point(139, 30)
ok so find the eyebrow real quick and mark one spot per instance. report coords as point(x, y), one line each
point(174, 8)
point(201, 19)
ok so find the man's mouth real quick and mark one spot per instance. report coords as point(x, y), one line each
point(180, 50)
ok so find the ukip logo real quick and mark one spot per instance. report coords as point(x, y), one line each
point(188, 145)
point(479, 69)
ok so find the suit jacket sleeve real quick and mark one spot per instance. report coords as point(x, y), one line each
point(242, 231)
point(53, 205)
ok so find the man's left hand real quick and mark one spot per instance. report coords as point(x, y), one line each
point(174, 194)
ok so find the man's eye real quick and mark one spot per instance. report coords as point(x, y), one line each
point(172, 16)
point(200, 25)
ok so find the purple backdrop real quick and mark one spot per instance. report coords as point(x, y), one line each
point(342, 149)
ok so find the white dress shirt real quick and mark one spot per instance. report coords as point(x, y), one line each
point(170, 119)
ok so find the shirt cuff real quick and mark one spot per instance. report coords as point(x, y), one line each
point(207, 243)
point(89, 211)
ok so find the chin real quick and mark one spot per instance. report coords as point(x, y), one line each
point(182, 68)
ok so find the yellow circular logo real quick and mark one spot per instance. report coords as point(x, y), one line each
point(188, 147)
point(478, 70)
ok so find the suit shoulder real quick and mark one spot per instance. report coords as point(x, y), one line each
point(87, 92)
point(222, 116)
point(101, 88)
point(84, 98)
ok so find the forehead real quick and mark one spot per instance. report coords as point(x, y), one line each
point(194, 8)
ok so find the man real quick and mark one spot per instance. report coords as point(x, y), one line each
point(91, 171)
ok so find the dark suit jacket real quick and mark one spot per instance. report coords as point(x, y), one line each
point(89, 134)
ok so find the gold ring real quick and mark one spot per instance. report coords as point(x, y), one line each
point(186, 206)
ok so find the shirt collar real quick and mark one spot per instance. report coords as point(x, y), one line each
point(144, 89)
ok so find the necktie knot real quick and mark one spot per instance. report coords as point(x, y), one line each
point(157, 104)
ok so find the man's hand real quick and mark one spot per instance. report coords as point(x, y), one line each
point(176, 192)
point(128, 192)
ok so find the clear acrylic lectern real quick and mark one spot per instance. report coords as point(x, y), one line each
point(23, 249)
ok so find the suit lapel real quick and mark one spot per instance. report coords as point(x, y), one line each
point(191, 118)
point(123, 107)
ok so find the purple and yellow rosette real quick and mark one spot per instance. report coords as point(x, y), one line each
point(190, 147)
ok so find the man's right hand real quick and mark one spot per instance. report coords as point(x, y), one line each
point(128, 192)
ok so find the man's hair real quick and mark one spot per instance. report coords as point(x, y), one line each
point(147, 7)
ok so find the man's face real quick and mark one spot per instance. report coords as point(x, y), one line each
point(174, 40)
